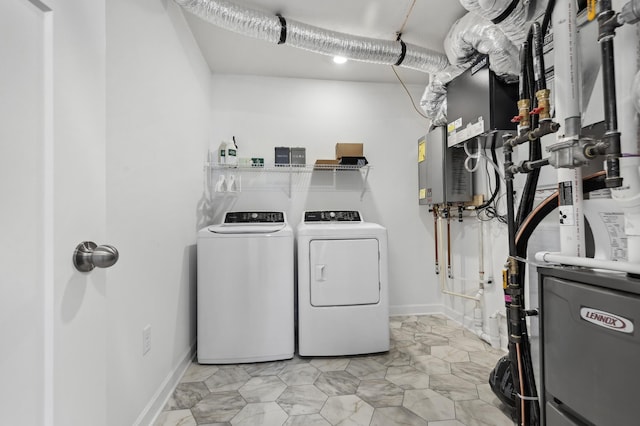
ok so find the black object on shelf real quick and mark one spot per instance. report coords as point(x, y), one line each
point(354, 161)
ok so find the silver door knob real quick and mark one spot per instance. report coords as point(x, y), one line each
point(88, 255)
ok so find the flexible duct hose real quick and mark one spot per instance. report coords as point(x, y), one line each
point(472, 35)
point(280, 30)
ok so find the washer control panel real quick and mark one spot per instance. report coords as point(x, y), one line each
point(254, 217)
point(333, 216)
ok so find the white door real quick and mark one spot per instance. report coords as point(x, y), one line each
point(52, 317)
point(344, 272)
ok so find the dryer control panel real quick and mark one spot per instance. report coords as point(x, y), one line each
point(254, 217)
point(333, 216)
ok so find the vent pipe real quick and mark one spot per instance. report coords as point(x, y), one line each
point(469, 36)
point(510, 16)
point(281, 30)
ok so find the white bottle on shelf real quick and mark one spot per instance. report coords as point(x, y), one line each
point(222, 153)
point(232, 154)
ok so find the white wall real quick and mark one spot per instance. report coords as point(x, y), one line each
point(158, 115)
point(266, 112)
point(22, 286)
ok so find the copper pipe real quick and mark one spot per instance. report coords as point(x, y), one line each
point(449, 273)
point(435, 233)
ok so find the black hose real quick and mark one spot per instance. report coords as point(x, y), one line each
point(522, 86)
point(536, 80)
point(535, 151)
point(513, 314)
point(609, 86)
point(538, 58)
point(547, 17)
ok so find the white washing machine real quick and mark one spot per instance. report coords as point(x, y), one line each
point(343, 305)
point(246, 289)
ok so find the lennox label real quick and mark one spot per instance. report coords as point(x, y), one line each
point(606, 320)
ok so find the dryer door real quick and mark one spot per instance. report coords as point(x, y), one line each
point(344, 272)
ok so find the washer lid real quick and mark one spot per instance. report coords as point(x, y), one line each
point(247, 229)
point(252, 222)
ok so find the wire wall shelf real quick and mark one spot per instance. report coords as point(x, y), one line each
point(313, 177)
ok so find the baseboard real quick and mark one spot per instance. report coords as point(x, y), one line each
point(153, 409)
point(414, 310)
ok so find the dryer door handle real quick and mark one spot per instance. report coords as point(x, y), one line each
point(320, 273)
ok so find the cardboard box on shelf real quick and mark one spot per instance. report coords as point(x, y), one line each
point(349, 150)
point(326, 164)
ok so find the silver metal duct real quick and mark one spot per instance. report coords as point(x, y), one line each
point(434, 98)
point(510, 18)
point(469, 36)
point(473, 34)
point(275, 29)
point(493, 27)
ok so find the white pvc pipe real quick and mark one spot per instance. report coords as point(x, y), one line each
point(572, 240)
point(477, 318)
point(627, 45)
point(443, 278)
point(484, 336)
point(565, 59)
point(612, 265)
point(567, 105)
point(494, 331)
point(464, 296)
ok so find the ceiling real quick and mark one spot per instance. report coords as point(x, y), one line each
point(428, 22)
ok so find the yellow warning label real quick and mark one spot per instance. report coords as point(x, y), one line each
point(422, 151)
point(591, 10)
point(423, 193)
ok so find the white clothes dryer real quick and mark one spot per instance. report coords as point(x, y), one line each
point(246, 289)
point(343, 305)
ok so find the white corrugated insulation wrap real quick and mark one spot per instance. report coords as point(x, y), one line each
point(496, 28)
point(434, 99)
point(281, 30)
point(473, 34)
point(510, 16)
point(492, 27)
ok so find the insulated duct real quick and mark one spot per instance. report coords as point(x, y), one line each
point(510, 16)
point(434, 99)
point(469, 36)
point(277, 29)
point(493, 27)
point(473, 34)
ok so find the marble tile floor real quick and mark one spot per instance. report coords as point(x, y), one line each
point(434, 375)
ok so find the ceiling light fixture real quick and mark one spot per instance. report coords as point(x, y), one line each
point(339, 59)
